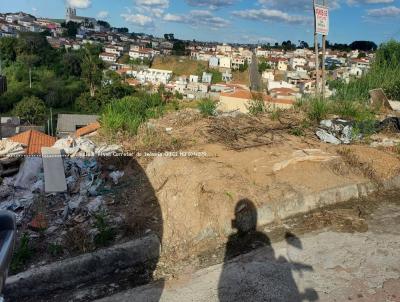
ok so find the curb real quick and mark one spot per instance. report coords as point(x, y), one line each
point(74, 271)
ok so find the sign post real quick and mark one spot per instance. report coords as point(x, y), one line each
point(321, 17)
point(316, 52)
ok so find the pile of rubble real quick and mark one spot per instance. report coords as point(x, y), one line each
point(335, 131)
point(86, 180)
point(79, 147)
point(339, 131)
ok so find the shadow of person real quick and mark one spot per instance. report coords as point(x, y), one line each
point(258, 276)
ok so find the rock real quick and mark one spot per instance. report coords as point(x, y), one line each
point(327, 137)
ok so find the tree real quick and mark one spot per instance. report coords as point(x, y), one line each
point(303, 44)
point(103, 23)
point(29, 61)
point(243, 68)
point(361, 55)
point(72, 29)
point(169, 37)
point(92, 70)
point(7, 49)
point(72, 64)
point(179, 48)
point(363, 45)
point(263, 66)
point(31, 109)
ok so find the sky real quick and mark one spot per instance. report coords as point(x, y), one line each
point(244, 21)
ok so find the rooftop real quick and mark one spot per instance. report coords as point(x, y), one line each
point(34, 141)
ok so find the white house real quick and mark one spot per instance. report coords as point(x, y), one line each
point(193, 79)
point(225, 62)
point(279, 84)
point(268, 75)
point(207, 78)
point(237, 62)
point(224, 48)
point(154, 76)
point(112, 49)
point(108, 57)
point(297, 61)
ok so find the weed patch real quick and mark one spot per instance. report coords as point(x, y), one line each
point(207, 107)
point(22, 254)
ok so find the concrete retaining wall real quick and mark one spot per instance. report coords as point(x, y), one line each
point(87, 267)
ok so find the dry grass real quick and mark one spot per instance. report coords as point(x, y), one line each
point(77, 240)
point(355, 164)
point(155, 140)
point(244, 132)
point(179, 65)
point(241, 77)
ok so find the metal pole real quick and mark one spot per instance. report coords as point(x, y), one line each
point(323, 62)
point(51, 121)
point(30, 77)
point(316, 53)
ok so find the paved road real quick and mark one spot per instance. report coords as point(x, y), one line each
point(318, 266)
point(255, 78)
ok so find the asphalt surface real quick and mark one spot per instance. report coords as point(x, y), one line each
point(255, 78)
point(324, 265)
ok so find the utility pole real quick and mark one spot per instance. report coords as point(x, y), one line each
point(316, 53)
point(323, 61)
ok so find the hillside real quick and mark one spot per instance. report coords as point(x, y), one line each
point(180, 65)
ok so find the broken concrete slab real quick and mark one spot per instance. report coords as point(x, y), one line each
point(54, 175)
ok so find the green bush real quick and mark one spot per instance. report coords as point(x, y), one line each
point(129, 113)
point(207, 107)
point(105, 233)
point(31, 109)
point(23, 253)
point(384, 73)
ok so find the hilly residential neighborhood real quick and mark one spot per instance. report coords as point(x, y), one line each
point(210, 150)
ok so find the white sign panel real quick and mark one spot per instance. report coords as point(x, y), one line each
point(322, 20)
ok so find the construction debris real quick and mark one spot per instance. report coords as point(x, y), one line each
point(54, 176)
point(81, 146)
point(335, 131)
point(11, 149)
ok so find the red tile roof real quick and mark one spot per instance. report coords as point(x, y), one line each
point(88, 129)
point(34, 141)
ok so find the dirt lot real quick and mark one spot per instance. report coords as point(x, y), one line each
point(188, 176)
point(179, 65)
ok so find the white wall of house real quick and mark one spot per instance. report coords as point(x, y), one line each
point(279, 84)
point(225, 62)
